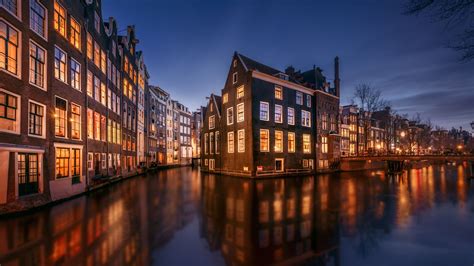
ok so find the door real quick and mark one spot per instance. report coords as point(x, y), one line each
point(279, 165)
point(27, 173)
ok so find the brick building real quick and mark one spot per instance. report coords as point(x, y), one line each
point(267, 121)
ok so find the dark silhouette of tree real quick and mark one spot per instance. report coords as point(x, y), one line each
point(455, 13)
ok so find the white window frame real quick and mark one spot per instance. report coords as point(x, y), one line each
point(303, 120)
point(45, 76)
point(242, 118)
point(65, 65)
point(291, 150)
point(303, 137)
point(80, 73)
point(19, 52)
point(230, 136)
point(298, 93)
point(308, 100)
point(280, 149)
point(268, 140)
point(18, 10)
point(67, 121)
point(18, 114)
point(231, 121)
point(90, 161)
point(277, 106)
point(291, 121)
point(267, 117)
point(45, 113)
point(282, 164)
point(280, 90)
point(240, 92)
point(239, 146)
point(45, 37)
point(213, 119)
point(234, 78)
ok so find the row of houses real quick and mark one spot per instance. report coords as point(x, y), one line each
point(75, 102)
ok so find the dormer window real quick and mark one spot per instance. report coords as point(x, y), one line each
point(278, 93)
point(282, 76)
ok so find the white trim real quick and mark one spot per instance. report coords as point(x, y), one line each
point(227, 116)
point(80, 120)
point(260, 111)
point(287, 116)
point(80, 73)
point(281, 114)
point(282, 142)
point(18, 114)
point(66, 118)
point(260, 140)
point(235, 77)
point(20, 149)
point(45, 74)
point(69, 146)
point(282, 160)
point(238, 141)
point(46, 13)
point(18, 10)
point(65, 63)
point(243, 111)
point(19, 53)
point(45, 113)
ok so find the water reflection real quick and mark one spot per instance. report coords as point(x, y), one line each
point(344, 219)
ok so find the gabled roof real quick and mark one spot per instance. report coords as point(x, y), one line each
point(251, 64)
point(218, 103)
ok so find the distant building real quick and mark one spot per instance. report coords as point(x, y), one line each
point(196, 126)
point(268, 122)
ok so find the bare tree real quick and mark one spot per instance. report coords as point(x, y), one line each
point(455, 13)
point(369, 100)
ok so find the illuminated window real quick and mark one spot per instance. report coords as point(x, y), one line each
point(299, 98)
point(206, 142)
point(225, 98)
point(103, 61)
point(217, 143)
point(230, 115)
point(212, 122)
point(103, 128)
point(8, 48)
point(324, 144)
point(278, 113)
point(278, 141)
point(211, 143)
point(264, 140)
point(241, 140)
point(90, 47)
point(103, 94)
point(75, 75)
point(96, 126)
point(38, 18)
point(75, 33)
point(291, 142)
point(59, 19)
point(62, 162)
point(75, 121)
point(240, 92)
point(37, 65)
point(278, 93)
point(324, 123)
point(264, 111)
point(97, 88)
point(240, 112)
point(90, 124)
point(60, 64)
point(96, 54)
point(306, 143)
point(230, 142)
point(60, 121)
point(234, 78)
point(291, 116)
point(305, 118)
point(36, 119)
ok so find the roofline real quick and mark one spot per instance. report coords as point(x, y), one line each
point(242, 61)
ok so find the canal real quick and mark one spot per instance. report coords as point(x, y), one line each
point(182, 217)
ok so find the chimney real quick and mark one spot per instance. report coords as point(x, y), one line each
point(337, 81)
point(290, 71)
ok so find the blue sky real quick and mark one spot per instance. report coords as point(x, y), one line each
point(188, 45)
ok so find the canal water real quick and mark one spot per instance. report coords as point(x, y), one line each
point(183, 217)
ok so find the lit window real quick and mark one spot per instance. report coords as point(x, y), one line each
point(90, 47)
point(299, 98)
point(305, 118)
point(264, 112)
point(230, 142)
point(75, 121)
point(96, 54)
point(75, 75)
point(90, 124)
point(62, 162)
point(240, 112)
point(308, 100)
point(8, 48)
point(37, 65)
point(225, 98)
point(264, 140)
point(9, 112)
point(103, 128)
point(212, 122)
point(38, 18)
point(324, 123)
point(217, 143)
point(60, 64)
point(211, 142)
point(241, 140)
point(306, 143)
point(278, 113)
point(36, 119)
point(291, 142)
point(240, 92)
point(103, 61)
point(60, 121)
point(278, 141)
point(103, 94)
point(96, 126)
point(278, 93)
point(234, 78)
point(324, 144)
point(59, 19)
point(75, 33)
point(230, 115)
point(206, 142)
point(291, 116)
point(90, 83)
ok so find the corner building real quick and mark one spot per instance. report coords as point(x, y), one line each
point(266, 122)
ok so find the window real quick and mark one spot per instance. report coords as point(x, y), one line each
point(230, 116)
point(225, 98)
point(90, 47)
point(278, 93)
point(305, 118)
point(90, 161)
point(96, 88)
point(103, 160)
point(278, 141)
point(38, 18)
point(75, 75)
point(324, 144)
point(59, 19)
point(240, 112)
point(96, 126)
point(103, 61)
point(217, 143)
point(62, 162)
point(97, 22)
point(264, 140)
point(299, 98)
point(37, 65)
point(103, 94)
point(230, 142)
point(291, 116)
point(240, 92)
point(103, 128)
point(9, 111)
point(264, 112)
point(278, 113)
point(75, 121)
point(96, 54)
point(306, 143)
point(75, 33)
point(211, 142)
point(324, 123)
point(212, 122)
point(241, 140)
point(234, 78)
point(8, 48)
point(206, 142)
point(10, 5)
point(36, 119)
point(60, 120)
point(60, 64)
point(291, 142)
point(90, 124)
point(76, 159)
point(308, 100)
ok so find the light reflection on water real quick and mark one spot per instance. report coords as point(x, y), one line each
point(177, 217)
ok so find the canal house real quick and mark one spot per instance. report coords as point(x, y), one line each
point(270, 122)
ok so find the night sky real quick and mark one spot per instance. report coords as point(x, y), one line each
point(188, 45)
